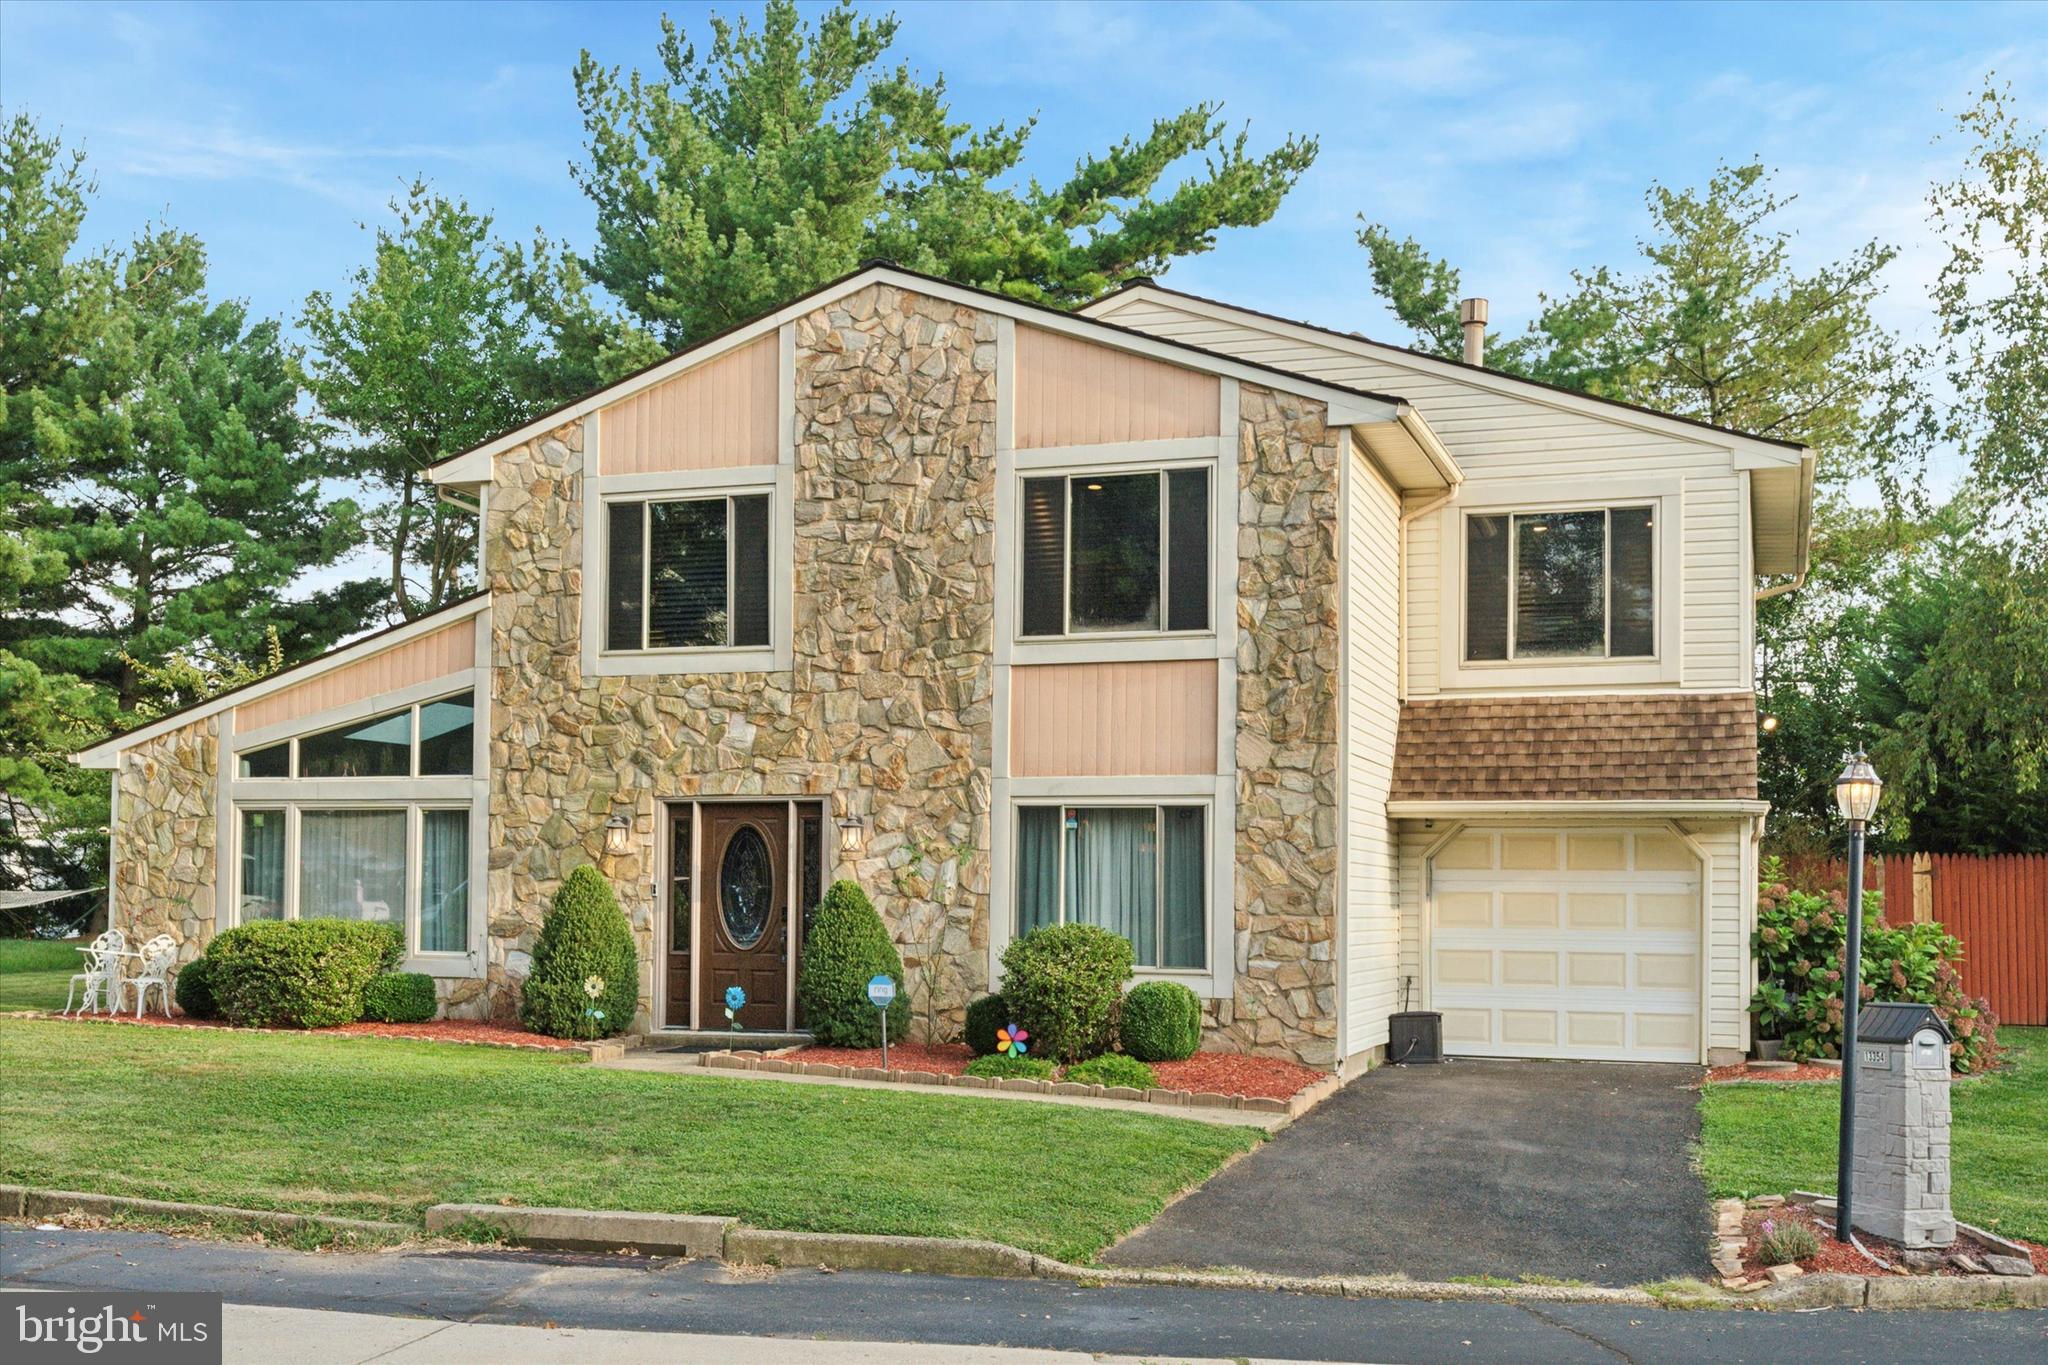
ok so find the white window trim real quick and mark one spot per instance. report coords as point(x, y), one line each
point(778, 481)
point(1110, 646)
point(1665, 498)
point(467, 962)
point(1214, 793)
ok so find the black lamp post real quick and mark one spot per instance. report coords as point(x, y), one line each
point(1856, 793)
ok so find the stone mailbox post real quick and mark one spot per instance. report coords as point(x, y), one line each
point(1901, 1152)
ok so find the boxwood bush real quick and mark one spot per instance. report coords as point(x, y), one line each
point(584, 935)
point(1113, 1068)
point(849, 945)
point(193, 988)
point(1161, 1021)
point(984, 1017)
point(1002, 1067)
point(298, 973)
point(1064, 982)
point(400, 998)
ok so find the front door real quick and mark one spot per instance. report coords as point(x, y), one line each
point(743, 898)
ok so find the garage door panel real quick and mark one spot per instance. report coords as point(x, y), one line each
point(1528, 909)
point(1527, 968)
point(1569, 944)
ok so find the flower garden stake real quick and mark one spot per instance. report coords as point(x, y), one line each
point(735, 1001)
point(593, 987)
point(1010, 1041)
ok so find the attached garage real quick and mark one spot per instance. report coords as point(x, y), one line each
point(1567, 943)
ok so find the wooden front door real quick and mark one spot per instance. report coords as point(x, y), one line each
point(743, 902)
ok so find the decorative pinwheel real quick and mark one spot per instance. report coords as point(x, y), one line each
point(593, 986)
point(1010, 1041)
point(735, 1000)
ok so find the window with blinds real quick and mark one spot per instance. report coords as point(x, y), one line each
point(1123, 553)
point(1561, 585)
point(687, 573)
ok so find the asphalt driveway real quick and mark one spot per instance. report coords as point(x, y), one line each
point(1578, 1170)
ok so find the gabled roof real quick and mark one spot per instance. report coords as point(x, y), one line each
point(103, 754)
point(1348, 406)
point(1781, 472)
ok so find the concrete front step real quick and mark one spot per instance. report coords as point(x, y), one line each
point(706, 1040)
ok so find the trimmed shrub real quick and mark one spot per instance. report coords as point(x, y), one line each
point(1113, 1068)
point(1001, 1067)
point(193, 988)
point(584, 935)
point(848, 946)
point(984, 1017)
point(401, 998)
point(298, 973)
point(1161, 1021)
point(1064, 983)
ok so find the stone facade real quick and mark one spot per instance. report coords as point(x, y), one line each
point(889, 699)
point(1285, 1001)
point(164, 841)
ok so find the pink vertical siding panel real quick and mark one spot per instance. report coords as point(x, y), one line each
point(1072, 392)
point(1113, 720)
point(446, 651)
point(718, 415)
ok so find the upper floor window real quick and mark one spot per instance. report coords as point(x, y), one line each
point(1115, 553)
point(432, 739)
point(1561, 585)
point(687, 574)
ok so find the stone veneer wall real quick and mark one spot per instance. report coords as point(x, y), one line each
point(163, 850)
point(1287, 732)
point(890, 695)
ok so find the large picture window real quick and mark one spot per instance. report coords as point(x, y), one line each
point(1561, 585)
point(687, 574)
point(380, 746)
point(400, 863)
point(1138, 871)
point(1115, 553)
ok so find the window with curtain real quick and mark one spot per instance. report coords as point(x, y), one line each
point(444, 881)
point(352, 865)
point(687, 574)
point(262, 891)
point(1138, 871)
point(1115, 553)
point(1560, 585)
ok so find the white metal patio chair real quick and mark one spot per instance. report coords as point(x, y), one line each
point(102, 970)
point(158, 956)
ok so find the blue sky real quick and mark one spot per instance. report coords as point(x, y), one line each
point(1515, 139)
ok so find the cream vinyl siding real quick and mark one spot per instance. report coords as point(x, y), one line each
point(1372, 937)
point(1497, 437)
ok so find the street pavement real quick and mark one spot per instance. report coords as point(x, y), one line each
point(791, 1313)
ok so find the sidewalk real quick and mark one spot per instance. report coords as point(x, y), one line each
point(312, 1336)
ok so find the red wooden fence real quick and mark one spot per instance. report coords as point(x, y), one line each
point(1998, 907)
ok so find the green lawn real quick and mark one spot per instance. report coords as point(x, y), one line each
point(381, 1129)
point(1765, 1139)
point(35, 971)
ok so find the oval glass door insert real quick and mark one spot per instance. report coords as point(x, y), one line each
point(746, 881)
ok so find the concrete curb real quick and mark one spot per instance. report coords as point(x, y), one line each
point(19, 1201)
point(654, 1234)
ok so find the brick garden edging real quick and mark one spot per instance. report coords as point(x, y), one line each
point(767, 1064)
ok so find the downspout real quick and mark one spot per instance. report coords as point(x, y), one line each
point(1401, 572)
point(1780, 589)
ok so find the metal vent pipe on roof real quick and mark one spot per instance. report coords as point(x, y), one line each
point(1472, 317)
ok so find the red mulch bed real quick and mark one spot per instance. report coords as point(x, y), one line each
point(434, 1031)
point(948, 1059)
point(1222, 1073)
point(1839, 1258)
point(1805, 1071)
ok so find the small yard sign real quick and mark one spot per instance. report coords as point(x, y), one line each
point(882, 990)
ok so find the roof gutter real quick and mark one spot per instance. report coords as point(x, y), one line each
point(1552, 808)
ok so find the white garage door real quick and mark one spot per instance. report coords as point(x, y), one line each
point(1567, 943)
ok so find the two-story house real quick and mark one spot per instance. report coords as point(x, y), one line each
point(1338, 678)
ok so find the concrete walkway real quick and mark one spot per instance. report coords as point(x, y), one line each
point(1576, 1170)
